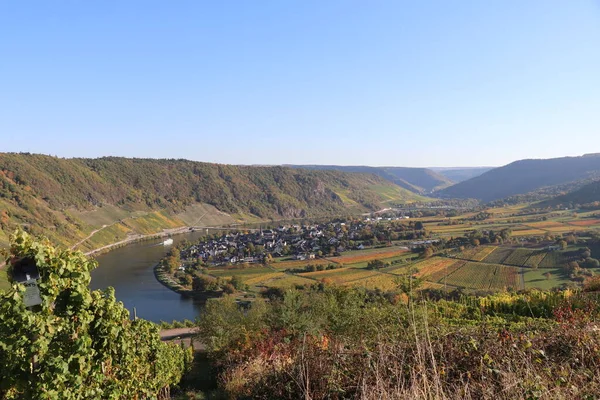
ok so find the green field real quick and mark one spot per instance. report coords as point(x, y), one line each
point(534, 278)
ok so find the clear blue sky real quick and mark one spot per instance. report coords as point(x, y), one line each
point(404, 83)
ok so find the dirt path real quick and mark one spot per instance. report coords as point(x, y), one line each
point(182, 335)
point(90, 235)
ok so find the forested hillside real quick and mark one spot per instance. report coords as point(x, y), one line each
point(418, 180)
point(457, 175)
point(587, 196)
point(57, 197)
point(525, 176)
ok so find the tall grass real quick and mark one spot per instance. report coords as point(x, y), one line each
point(343, 343)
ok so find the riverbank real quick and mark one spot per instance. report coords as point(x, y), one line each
point(141, 238)
point(167, 280)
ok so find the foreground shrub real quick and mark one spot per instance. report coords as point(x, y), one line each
point(78, 344)
point(347, 343)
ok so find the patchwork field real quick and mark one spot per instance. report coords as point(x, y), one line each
point(357, 259)
point(483, 276)
point(376, 281)
point(368, 255)
point(438, 276)
point(528, 232)
point(518, 257)
point(498, 256)
point(288, 281)
point(535, 278)
point(433, 266)
point(341, 275)
point(477, 253)
point(246, 274)
point(545, 224)
point(535, 259)
point(588, 222)
point(552, 259)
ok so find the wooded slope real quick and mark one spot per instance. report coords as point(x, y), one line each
point(525, 176)
point(417, 180)
point(38, 190)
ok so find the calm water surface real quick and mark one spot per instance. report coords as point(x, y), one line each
point(130, 270)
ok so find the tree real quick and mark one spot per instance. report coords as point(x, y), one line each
point(228, 288)
point(428, 252)
point(237, 282)
point(475, 242)
point(419, 226)
point(591, 263)
point(204, 283)
point(563, 244)
point(548, 275)
point(85, 343)
point(375, 264)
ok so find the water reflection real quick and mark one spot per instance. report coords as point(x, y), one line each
point(130, 270)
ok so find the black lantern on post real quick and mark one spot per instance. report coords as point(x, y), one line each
point(25, 271)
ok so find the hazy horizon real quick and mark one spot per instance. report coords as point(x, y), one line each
point(337, 83)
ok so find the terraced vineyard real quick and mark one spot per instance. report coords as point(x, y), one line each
point(341, 275)
point(377, 281)
point(498, 256)
point(553, 259)
point(432, 266)
point(518, 257)
point(535, 259)
point(439, 275)
point(477, 253)
point(288, 281)
point(483, 276)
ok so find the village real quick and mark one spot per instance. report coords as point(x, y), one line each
point(304, 242)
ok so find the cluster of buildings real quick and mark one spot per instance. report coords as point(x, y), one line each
point(302, 242)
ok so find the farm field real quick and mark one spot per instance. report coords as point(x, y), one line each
point(358, 258)
point(285, 281)
point(477, 253)
point(535, 259)
point(553, 259)
point(340, 275)
point(432, 266)
point(244, 273)
point(518, 257)
point(292, 264)
point(528, 232)
point(534, 278)
point(368, 255)
point(586, 223)
point(377, 281)
point(545, 224)
point(498, 256)
point(438, 276)
point(399, 260)
point(483, 276)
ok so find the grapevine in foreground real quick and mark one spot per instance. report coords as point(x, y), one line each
point(78, 344)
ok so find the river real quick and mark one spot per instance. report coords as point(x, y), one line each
point(130, 270)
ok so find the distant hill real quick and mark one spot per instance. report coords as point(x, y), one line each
point(585, 195)
point(457, 175)
point(66, 199)
point(525, 176)
point(418, 180)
